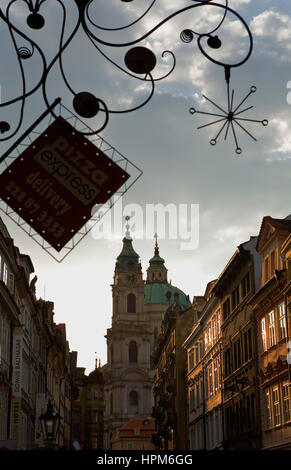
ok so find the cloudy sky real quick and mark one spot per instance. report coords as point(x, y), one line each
point(179, 165)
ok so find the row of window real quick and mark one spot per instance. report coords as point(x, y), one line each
point(277, 405)
point(212, 383)
point(209, 438)
point(212, 331)
point(212, 378)
point(240, 352)
point(237, 295)
point(211, 334)
point(273, 327)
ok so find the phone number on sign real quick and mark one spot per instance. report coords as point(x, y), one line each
point(31, 207)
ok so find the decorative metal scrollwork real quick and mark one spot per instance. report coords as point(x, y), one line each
point(140, 62)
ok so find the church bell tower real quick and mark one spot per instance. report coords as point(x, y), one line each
point(128, 380)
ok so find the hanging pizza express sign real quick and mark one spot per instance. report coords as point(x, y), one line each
point(56, 181)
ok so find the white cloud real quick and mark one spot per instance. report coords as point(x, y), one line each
point(272, 24)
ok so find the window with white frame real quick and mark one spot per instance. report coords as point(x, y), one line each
point(276, 406)
point(5, 274)
point(209, 336)
point(215, 374)
point(286, 402)
point(191, 359)
point(272, 332)
point(264, 334)
point(218, 322)
point(206, 340)
point(282, 321)
point(196, 355)
point(210, 380)
point(214, 328)
point(268, 409)
point(206, 384)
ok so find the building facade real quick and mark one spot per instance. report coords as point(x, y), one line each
point(170, 396)
point(30, 342)
point(88, 408)
point(235, 287)
point(270, 306)
point(203, 346)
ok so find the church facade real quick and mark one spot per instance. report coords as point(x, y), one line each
point(138, 309)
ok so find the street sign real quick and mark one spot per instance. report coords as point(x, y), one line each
point(54, 184)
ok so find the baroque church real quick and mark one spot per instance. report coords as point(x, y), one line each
point(138, 309)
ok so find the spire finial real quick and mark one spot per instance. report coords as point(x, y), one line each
point(156, 245)
point(127, 233)
point(96, 361)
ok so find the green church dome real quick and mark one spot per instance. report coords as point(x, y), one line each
point(163, 293)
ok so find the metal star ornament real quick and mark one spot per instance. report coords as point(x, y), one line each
point(230, 119)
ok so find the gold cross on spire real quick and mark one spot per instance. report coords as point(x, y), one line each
point(156, 237)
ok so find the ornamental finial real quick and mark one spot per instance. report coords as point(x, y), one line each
point(127, 233)
point(156, 245)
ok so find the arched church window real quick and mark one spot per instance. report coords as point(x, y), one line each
point(133, 398)
point(116, 304)
point(131, 303)
point(132, 350)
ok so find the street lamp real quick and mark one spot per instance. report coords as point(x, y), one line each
point(50, 424)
